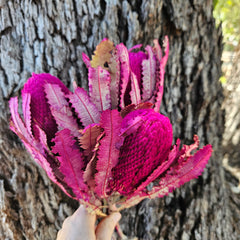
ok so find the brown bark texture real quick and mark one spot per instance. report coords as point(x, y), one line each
point(50, 36)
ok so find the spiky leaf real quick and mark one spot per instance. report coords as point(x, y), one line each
point(99, 88)
point(180, 174)
point(149, 75)
point(124, 71)
point(135, 90)
point(114, 70)
point(60, 108)
point(86, 110)
point(160, 71)
point(71, 162)
point(89, 136)
point(108, 153)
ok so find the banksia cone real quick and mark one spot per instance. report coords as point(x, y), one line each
point(105, 146)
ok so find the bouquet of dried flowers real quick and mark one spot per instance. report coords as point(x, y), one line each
point(108, 147)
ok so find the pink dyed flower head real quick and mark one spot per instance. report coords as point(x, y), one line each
point(105, 146)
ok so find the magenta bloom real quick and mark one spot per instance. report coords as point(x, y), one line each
point(105, 146)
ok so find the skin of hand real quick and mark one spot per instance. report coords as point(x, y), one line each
point(81, 226)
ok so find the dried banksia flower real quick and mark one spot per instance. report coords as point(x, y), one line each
point(108, 147)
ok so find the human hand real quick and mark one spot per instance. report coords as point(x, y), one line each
point(81, 226)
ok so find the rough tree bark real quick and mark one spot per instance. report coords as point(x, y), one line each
point(49, 36)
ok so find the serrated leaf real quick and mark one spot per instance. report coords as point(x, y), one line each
point(108, 153)
point(71, 162)
point(114, 70)
point(16, 124)
point(189, 169)
point(99, 88)
point(60, 108)
point(135, 90)
point(33, 146)
point(124, 71)
point(26, 100)
point(90, 171)
point(40, 111)
point(102, 54)
point(89, 136)
point(160, 71)
point(86, 60)
point(86, 110)
point(149, 75)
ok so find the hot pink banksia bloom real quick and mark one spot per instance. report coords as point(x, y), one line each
point(108, 147)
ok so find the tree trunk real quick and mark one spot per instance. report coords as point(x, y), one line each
point(49, 36)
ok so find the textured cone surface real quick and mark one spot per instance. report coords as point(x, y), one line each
point(143, 150)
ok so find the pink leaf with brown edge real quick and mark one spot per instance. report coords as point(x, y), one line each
point(88, 138)
point(192, 167)
point(26, 100)
point(108, 153)
point(40, 111)
point(86, 60)
point(86, 110)
point(35, 149)
point(135, 90)
point(114, 70)
point(180, 174)
point(160, 71)
point(90, 170)
point(60, 109)
point(71, 162)
point(124, 71)
point(149, 75)
point(99, 87)
point(16, 123)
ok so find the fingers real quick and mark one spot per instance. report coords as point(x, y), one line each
point(81, 225)
point(106, 227)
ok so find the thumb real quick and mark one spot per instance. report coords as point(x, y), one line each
point(106, 227)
